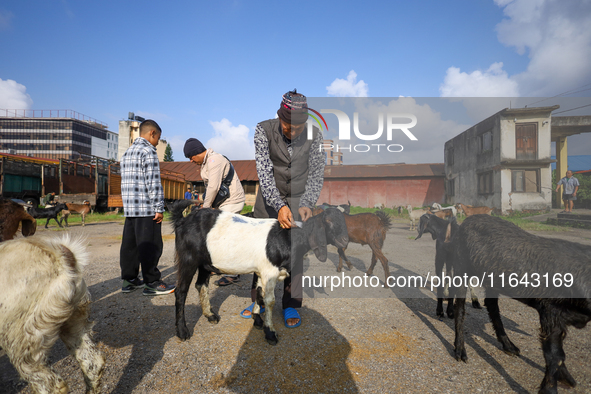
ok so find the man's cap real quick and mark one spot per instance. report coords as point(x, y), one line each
point(293, 108)
point(193, 147)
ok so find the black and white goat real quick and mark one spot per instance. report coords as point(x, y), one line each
point(491, 246)
point(209, 240)
point(443, 231)
point(43, 298)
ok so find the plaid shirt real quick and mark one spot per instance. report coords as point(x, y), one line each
point(141, 188)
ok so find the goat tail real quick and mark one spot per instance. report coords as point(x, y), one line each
point(176, 213)
point(60, 261)
point(384, 219)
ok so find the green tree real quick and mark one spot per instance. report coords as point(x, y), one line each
point(168, 153)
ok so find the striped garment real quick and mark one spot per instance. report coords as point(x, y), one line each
point(316, 162)
point(141, 188)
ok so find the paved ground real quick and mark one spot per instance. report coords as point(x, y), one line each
point(372, 343)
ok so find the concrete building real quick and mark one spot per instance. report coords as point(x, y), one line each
point(129, 130)
point(55, 134)
point(106, 148)
point(502, 162)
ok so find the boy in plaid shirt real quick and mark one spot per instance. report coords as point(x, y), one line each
point(143, 204)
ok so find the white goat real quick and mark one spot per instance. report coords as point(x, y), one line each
point(440, 208)
point(44, 297)
point(414, 216)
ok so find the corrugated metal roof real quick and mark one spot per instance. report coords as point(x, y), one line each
point(247, 171)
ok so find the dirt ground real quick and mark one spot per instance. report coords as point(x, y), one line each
point(381, 340)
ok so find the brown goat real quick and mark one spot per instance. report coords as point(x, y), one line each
point(470, 210)
point(82, 209)
point(442, 214)
point(11, 215)
point(367, 229)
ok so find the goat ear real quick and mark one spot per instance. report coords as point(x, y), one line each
point(317, 238)
point(28, 227)
point(422, 225)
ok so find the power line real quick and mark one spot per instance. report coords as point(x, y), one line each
point(572, 91)
point(588, 105)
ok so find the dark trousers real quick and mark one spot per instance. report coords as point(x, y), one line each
point(141, 245)
point(287, 301)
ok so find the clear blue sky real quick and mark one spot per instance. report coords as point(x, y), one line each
point(189, 65)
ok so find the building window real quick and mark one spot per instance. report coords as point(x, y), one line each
point(525, 181)
point(485, 183)
point(526, 141)
point(485, 142)
point(451, 187)
point(450, 157)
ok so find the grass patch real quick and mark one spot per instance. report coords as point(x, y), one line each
point(530, 225)
point(246, 209)
point(90, 218)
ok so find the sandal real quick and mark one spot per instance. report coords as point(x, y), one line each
point(249, 308)
point(227, 280)
point(291, 313)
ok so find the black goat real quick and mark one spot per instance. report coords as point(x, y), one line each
point(49, 213)
point(443, 231)
point(209, 240)
point(491, 246)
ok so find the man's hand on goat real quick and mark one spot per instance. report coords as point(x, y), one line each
point(305, 213)
point(285, 217)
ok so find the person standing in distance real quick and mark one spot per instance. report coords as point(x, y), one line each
point(569, 194)
point(143, 205)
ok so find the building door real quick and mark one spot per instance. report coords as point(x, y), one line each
point(526, 141)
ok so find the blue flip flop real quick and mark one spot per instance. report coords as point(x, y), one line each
point(250, 308)
point(291, 313)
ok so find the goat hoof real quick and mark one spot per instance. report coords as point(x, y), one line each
point(214, 319)
point(258, 321)
point(511, 349)
point(271, 336)
point(565, 377)
point(349, 265)
point(476, 304)
point(461, 355)
point(449, 314)
point(183, 334)
point(339, 269)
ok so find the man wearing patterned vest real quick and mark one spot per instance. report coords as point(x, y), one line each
point(290, 168)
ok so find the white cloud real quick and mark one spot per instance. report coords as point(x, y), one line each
point(493, 82)
point(5, 18)
point(13, 95)
point(231, 141)
point(554, 34)
point(431, 131)
point(348, 88)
